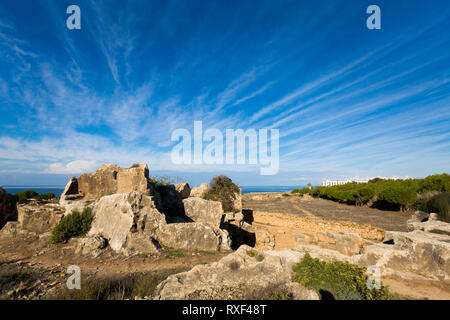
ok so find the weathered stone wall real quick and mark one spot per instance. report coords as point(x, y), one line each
point(107, 180)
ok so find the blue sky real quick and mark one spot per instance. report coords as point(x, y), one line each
point(348, 101)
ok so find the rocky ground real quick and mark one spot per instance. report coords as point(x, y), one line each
point(32, 268)
point(308, 207)
point(285, 216)
point(281, 227)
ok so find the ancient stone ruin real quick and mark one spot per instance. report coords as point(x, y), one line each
point(135, 215)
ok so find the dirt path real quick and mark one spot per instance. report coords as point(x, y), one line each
point(326, 210)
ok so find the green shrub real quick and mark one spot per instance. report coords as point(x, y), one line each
point(222, 188)
point(344, 281)
point(439, 204)
point(403, 197)
point(25, 195)
point(73, 225)
point(45, 196)
point(302, 191)
point(31, 194)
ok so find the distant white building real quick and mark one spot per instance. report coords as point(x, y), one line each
point(330, 183)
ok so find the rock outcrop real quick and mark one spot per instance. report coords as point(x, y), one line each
point(204, 211)
point(131, 222)
point(411, 254)
point(91, 245)
point(430, 224)
point(39, 217)
point(239, 275)
point(345, 243)
point(8, 210)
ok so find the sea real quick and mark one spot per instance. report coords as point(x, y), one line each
point(57, 190)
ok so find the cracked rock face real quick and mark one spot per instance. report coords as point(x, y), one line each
point(237, 276)
point(410, 254)
point(39, 218)
point(204, 211)
point(131, 222)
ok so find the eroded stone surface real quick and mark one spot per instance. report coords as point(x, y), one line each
point(107, 180)
point(204, 211)
point(39, 217)
point(199, 191)
point(236, 276)
point(132, 222)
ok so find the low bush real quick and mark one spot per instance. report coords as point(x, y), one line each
point(222, 188)
point(45, 196)
point(31, 194)
point(344, 281)
point(25, 195)
point(73, 225)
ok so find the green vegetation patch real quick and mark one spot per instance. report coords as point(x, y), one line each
point(31, 194)
point(383, 193)
point(222, 188)
point(173, 253)
point(74, 224)
point(342, 280)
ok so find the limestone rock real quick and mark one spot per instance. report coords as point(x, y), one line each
point(8, 210)
point(199, 191)
point(236, 276)
point(76, 205)
point(407, 254)
point(431, 225)
point(183, 189)
point(264, 239)
point(191, 236)
point(116, 216)
point(39, 217)
point(131, 223)
point(204, 211)
point(91, 245)
point(345, 243)
point(237, 202)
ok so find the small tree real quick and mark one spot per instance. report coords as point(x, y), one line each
point(73, 225)
point(222, 188)
point(403, 197)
